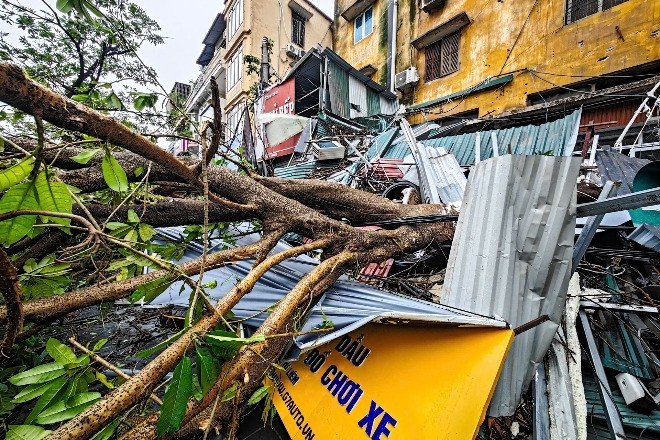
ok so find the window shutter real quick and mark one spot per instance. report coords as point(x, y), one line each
point(432, 61)
point(449, 58)
point(298, 25)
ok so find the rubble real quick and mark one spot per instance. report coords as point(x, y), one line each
point(603, 325)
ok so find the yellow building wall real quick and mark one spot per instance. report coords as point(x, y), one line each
point(622, 37)
point(263, 18)
point(371, 50)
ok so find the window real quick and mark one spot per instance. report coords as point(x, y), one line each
point(235, 68)
point(233, 128)
point(441, 57)
point(234, 19)
point(298, 29)
point(363, 25)
point(578, 9)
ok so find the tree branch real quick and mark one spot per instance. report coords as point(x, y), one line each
point(102, 412)
point(11, 292)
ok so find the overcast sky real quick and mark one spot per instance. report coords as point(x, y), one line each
point(184, 25)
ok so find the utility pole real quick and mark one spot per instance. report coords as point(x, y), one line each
point(264, 72)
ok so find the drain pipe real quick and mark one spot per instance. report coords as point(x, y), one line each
point(393, 26)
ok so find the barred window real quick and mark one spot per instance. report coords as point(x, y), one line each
point(441, 57)
point(578, 9)
point(298, 29)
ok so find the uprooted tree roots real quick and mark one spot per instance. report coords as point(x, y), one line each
point(319, 210)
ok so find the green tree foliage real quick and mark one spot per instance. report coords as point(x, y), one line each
point(75, 56)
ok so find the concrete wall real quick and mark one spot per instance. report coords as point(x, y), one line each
point(622, 37)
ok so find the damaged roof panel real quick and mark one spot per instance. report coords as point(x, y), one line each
point(511, 256)
point(557, 137)
point(348, 304)
point(646, 235)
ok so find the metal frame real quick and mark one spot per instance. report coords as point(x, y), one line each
point(613, 417)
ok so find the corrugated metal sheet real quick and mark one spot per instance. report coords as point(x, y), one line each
point(616, 114)
point(447, 175)
point(373, 102)
point(388, 106)
point(650, 423)
point(557, 137)
point(646, 235)
point(618, 167)
point(381, 143)
point(349, 305)
point(339, 91)
point(511, 256)
point(357, 93)
point(387, 168)
point(299, 171)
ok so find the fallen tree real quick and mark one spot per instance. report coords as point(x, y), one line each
point(321, 211)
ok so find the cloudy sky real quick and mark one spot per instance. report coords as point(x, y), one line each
point(184, 25)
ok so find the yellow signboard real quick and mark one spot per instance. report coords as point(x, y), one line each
point(393, 382)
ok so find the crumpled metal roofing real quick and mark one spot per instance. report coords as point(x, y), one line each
point(511, 256)
point(444, 172)
point(557, 137)
point(618, 167)
point(301, 170)
point(348, 304)
point(646, 235)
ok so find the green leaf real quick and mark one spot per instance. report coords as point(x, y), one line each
point(144, 100)
point(104, 380)
point(146, 231)
point(211, 284)
point(99, 345)
point(55, 392)
point(132, 236)
point(206, 370)
point(67, 410)
point(133, 217)
point(149, 291)
point(85, 156)
point(149, 351)
point(106, 432)
point(225, 338)
point(229, 393)
point(176, 398)
point(64, 5)
point(138, 171)
point(258, 395)
point(40, 374)
point(115, 225)
point(81, 97)
point(20, 196)
point(13, 175)
point(113, 174)
point(31, 392)
point(53, 196)
point(61, 353)
point(26, 432)
point(115, 101)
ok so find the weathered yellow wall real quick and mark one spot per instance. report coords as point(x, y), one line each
point(371, 50)
point(591, 47)
point(261, 19)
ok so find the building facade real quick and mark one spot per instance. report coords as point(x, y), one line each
point(488, 58)
point(292, 27)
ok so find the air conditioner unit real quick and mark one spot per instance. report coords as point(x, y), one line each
point(328, 150)
point(294, 51)
point(431, 5)
point(406, 79)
